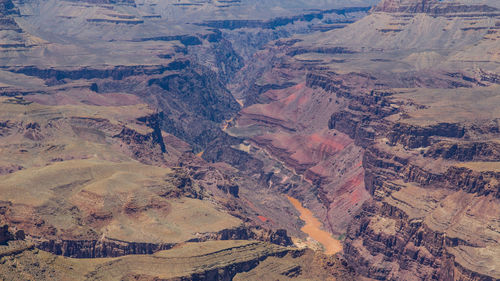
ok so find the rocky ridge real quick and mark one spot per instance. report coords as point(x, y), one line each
point(103, 144)
point(435, 7)
point(363, 130)
point(415, 226)
point(431, 171)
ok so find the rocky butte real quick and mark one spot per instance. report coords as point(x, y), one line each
point(250, 140)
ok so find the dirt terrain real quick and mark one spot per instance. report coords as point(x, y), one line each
point(236, 140)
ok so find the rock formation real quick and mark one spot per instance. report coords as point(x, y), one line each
point(172, 137)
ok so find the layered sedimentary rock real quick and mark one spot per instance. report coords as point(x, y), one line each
point(193, 261)
point(216, 260)
point(384, 127)
point(430, 6)
point(428, 132)
point(104, 108)
point(435, 203)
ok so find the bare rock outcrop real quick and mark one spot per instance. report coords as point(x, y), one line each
point(400, 233)
point(429, 6)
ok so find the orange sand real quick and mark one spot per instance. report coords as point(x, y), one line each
point(263, 219)
point(313, 229)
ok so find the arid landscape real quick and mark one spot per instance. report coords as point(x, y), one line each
point(250, 140)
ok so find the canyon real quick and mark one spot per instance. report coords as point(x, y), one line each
point(243, 140)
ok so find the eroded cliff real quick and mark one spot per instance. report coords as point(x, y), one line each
point(384, 127)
